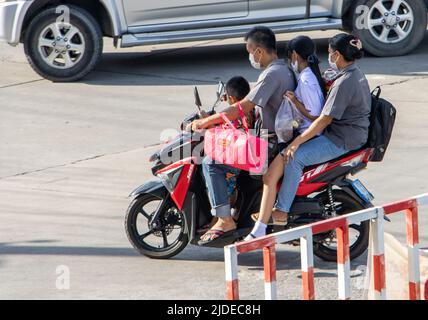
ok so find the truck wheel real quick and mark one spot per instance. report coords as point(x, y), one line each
point(390, 27)
point(63, 52)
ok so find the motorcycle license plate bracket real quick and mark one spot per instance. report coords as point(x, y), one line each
point(362, 191)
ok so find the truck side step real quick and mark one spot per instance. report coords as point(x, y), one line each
point(130, 40)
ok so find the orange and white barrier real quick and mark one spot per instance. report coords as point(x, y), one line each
point(396, 264)
point(341, 225)
point(426, 290)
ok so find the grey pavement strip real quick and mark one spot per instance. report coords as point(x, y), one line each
point(21, 83)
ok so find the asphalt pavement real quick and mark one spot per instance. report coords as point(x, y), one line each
point(71, 153)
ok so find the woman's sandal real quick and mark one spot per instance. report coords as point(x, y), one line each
point(272, 222)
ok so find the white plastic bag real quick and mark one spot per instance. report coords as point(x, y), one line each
point(287, 120)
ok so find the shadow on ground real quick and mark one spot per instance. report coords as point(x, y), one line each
point(65, 251)
point(286, 259)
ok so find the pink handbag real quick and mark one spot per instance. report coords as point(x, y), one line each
point(230, 146)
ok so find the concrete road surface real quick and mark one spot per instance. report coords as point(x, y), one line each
point(71, 153)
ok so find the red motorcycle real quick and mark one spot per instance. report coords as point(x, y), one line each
point(166, 214)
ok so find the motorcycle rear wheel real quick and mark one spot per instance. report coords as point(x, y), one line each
point(345, 204)
point(171, 220)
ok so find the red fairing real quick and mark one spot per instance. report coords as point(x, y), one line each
point(180, 189)
point(306, 187)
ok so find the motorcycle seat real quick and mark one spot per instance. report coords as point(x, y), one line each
point(260, 177)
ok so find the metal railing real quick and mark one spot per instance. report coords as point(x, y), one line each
point(341, 224)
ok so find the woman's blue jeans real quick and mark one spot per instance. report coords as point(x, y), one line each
point(315, 151)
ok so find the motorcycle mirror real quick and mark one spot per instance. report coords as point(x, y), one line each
point(220, 90)
point(198, 102)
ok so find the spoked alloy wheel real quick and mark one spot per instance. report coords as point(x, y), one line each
point(391, 21)
point(161, 239)
point(61, 45)
point(391, 27)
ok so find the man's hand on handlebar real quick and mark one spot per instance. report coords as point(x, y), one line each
point(196, 125)
point(203, 114)
point(199, 124)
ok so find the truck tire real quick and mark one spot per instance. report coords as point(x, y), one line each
point(388, 31)
point(63, 52)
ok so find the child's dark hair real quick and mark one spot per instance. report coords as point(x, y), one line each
point(349, 46)
point(238, 87)
point(306, 48)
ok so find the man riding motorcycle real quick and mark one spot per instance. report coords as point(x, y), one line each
point(266, 97)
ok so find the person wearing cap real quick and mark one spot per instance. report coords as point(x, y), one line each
point(342, 127)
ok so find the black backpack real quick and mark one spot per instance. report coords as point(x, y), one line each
point(382, 120)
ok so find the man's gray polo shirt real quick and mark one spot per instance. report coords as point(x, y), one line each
point(268, 93)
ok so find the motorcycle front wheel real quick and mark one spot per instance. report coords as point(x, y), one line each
point(161, 239)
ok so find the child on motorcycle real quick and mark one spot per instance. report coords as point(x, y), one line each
point(237, 88)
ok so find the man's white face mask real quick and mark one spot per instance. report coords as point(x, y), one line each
point(256, 65)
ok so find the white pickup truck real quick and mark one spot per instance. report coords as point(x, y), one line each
point(63, 39)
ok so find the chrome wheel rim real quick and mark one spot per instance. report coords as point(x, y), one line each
point(61, 45)
point(391, 21)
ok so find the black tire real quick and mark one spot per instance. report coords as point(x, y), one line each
point(143, 247)
point(348, 205)
point(93, 40)
point(404, 46)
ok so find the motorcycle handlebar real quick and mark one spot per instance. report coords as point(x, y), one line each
point(193, 117)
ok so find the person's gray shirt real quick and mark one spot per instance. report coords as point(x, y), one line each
point(349, 104)
point(268, 93)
